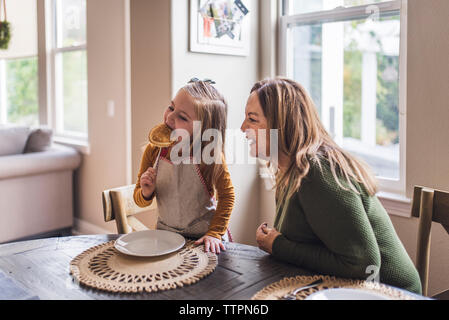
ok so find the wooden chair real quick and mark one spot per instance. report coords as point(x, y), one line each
point(429, 206)
point(118, 204)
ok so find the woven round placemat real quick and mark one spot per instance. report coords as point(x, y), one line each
point(104, 267)
point(277, 290)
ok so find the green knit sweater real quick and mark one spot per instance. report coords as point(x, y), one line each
point(331, 231)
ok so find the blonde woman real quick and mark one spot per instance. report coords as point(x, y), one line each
point(328, 219)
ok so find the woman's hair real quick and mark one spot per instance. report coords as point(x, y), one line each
point(211, 109)
point(303, 138)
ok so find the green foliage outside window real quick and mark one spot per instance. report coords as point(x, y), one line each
point(5, 34)
point(75, 91)
point(22, 91)
point(387, 96)
point(352, 111)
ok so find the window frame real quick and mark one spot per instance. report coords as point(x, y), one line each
point(388, 187)
point(49, 98)
point(55, 54)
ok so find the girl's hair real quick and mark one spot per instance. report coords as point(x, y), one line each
point(212, 110)
point(303, 138)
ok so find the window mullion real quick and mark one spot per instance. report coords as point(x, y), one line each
point(283, 46)
point(58, 87)
point(58, 24)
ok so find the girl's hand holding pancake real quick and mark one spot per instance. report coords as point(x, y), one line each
point(148, 182)
point(211, 243)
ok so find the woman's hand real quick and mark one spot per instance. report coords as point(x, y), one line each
point(265, 237)
point(148, 182)
point(211, 243)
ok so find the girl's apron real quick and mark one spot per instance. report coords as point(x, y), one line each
point(184, 203)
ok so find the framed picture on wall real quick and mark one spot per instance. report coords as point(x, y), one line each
point(220, 26)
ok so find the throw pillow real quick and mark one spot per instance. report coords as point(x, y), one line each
point(40, 139)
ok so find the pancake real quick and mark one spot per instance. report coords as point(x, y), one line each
point(160, 136)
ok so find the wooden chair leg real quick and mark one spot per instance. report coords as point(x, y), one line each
point(423, 245)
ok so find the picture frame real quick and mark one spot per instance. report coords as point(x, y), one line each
point(220, 26)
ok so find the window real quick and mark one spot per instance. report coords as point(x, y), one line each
point(43, 80)
point(69, 65)
point(347, 54)
point(18, 67)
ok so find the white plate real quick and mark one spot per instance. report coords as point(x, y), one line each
point(346, 294)
point(149, 243)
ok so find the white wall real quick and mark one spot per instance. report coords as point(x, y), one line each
point(150, 54)
point(106, 165)
point(428, 94)
point(151, 70)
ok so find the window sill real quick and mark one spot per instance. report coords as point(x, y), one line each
point(395, 204)
point(82, 146)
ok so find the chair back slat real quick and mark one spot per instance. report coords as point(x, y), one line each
point(119, 212)
point(108, 214)
point(428, 205)
point(119, 205)
point(127, 198)
point(441, 207)
point(416, 201)
point(423, 241)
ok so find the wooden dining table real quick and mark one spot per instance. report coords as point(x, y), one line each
point(39, 270)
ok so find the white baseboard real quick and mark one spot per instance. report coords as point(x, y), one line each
point(83, 227)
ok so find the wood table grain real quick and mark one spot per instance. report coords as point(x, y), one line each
point(39, 269)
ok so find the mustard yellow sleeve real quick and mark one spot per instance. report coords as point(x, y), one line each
point(148, 159)
point(225, 203)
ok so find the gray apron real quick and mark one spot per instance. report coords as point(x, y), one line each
point(184, 203)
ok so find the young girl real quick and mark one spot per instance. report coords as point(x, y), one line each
point(185, 191)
